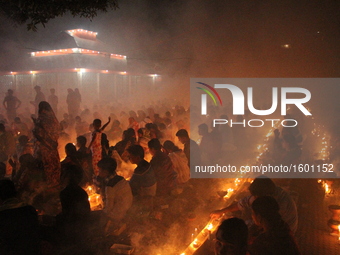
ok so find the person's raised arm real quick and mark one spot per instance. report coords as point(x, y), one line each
point(105, 125)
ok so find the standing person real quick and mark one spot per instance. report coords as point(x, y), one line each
point(11, 104)
point(72, 103)
point(77, 97)
point(39, 97)
point(191, 149)
point(85, 158)
point(99, 145)
point(53, 101)
point(46, 132)
point(73, 223)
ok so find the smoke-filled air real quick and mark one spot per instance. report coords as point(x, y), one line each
point(172, 128)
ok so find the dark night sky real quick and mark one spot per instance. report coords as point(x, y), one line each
point(208, 38)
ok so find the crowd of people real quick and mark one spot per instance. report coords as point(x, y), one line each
point(31, 149)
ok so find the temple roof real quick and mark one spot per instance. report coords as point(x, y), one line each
point(79, 38)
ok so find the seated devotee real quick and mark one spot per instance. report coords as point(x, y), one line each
point(191, 149)
point(276, 237)
point(65, 122)
point(143, 181)
point(275, 148)
point(153, 131)
point(143, 138)
point(19, 227)
point(179, 160)
point(133, 124)
point(290, 129)
point(115, 132)
point(117, 193)
point(231, 237)
point(264, 186)
point(29, 177)
point(23, 147)
point(19, 127)
point(81, 126)
point(292, 152)
point(163, 169)
point(208, 146)
point(129, 138)
point(2, 170)
point(70, 159)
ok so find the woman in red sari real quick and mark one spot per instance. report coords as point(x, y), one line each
point(46, 132)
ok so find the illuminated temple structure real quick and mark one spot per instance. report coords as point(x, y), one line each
point(76, 59)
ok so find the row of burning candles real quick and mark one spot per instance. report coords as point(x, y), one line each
point(198, 238)
point(213, 224)
point(262, 148)
point(324, 155)
point(328, 190)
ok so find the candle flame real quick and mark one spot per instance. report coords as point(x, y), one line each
point(326, 188)
point(210, 226)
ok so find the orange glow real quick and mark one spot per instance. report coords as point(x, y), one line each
point(95, 199)
point(82, 33)
point(75, 51)
point(71, 70)
point(210, 226)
